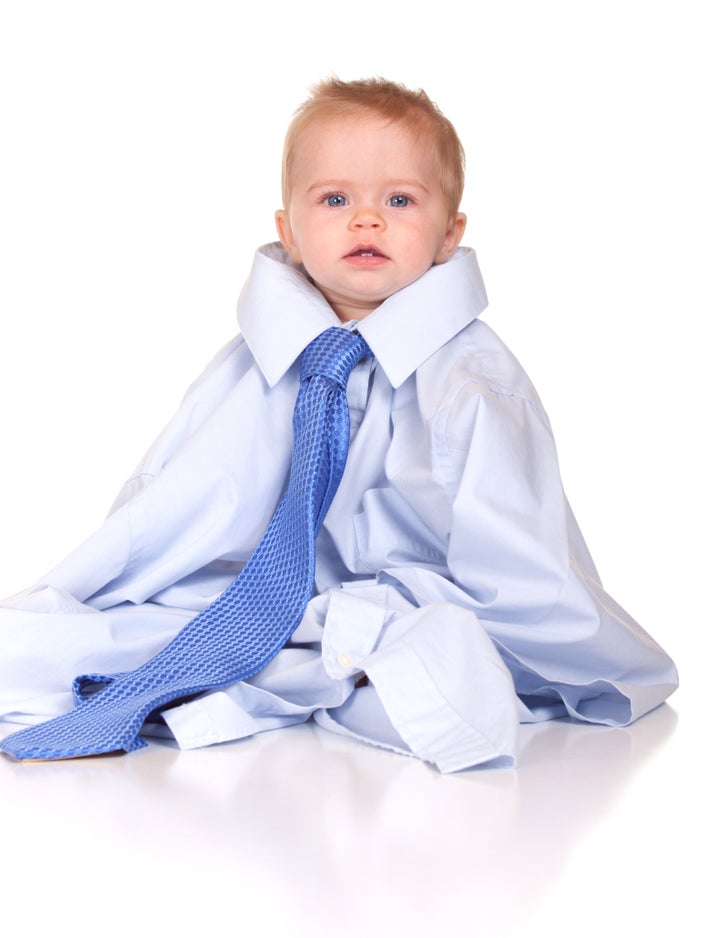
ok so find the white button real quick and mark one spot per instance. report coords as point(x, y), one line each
point(344, 660)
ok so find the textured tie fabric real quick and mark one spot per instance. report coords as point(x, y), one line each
point(248, 624)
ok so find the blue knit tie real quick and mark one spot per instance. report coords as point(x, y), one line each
point(248, 624)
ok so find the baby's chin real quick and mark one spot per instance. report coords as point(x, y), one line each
point(351, 306)
point(357, 304)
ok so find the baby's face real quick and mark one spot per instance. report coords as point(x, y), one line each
point(367, 215)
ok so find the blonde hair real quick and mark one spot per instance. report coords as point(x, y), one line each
point(414, 109)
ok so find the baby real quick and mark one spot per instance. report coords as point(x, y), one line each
point(454, 596)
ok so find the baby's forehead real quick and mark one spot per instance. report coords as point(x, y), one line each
point(352, 146)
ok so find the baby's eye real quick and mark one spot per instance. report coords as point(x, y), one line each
point(399, 201)
point(335, 200)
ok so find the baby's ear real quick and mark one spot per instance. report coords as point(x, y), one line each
point(455, 231)
point(285, 233)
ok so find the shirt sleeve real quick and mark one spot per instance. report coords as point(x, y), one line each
point(517, 551)
point(517, 628)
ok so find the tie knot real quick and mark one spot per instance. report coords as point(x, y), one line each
point(333, 354)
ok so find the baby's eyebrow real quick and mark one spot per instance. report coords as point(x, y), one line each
point(331, 184)
point(387, 183)
point(406, 184)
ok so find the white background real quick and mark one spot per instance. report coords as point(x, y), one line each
point(139, 170)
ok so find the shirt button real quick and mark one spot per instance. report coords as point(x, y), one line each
point(344, 660)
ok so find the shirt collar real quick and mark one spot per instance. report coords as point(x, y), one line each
point(280, 312)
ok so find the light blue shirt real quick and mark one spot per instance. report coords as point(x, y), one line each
point(455, 596)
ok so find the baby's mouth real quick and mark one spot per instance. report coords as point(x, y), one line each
point(368, 251)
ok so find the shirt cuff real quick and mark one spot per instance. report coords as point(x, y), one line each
point(225, 715)
point(430, 726)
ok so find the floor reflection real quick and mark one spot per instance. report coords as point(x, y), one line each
point(301, 824)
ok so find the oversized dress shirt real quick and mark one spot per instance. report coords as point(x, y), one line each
point(455, 596)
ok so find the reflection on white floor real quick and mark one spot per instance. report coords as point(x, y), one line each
point(299, 832)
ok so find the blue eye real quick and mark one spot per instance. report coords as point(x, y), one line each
point(399, 201)
point(336, 200)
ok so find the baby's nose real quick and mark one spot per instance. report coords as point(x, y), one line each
point(367, 217)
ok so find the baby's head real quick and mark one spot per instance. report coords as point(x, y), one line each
point(372, 181)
